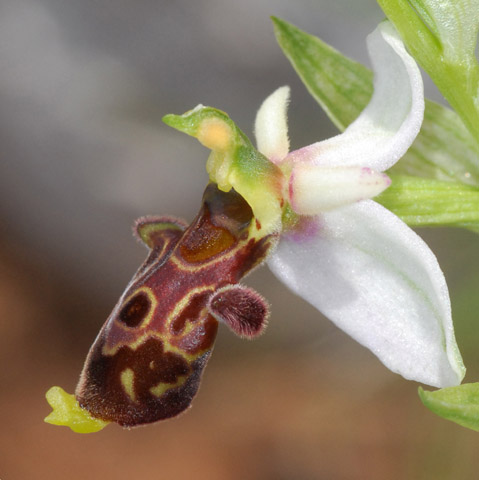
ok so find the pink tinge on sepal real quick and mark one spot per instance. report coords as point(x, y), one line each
point(305, 229)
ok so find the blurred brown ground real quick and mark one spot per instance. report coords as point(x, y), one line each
point(294, 410)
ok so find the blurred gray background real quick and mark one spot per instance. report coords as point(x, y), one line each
point(83, 152)
point(83, 88)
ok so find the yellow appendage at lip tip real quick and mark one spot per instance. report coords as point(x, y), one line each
point(67, 412)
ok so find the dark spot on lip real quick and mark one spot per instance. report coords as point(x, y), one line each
point(135, 310)
point(227, 209)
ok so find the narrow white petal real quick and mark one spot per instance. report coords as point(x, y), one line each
point(271, 125)
point(314, 189)
point(378, 281)
point(386, 128)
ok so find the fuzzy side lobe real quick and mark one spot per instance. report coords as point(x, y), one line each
point(242, 309)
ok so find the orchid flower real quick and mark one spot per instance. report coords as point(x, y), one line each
point(308, 213)
point(352, 259)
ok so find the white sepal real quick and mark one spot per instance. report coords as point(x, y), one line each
point(378, 281)
point(314, 189)
point(271, 126)
point(386, 128)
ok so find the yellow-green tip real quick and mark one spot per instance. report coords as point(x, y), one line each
point(235, 163)
point(67, 412)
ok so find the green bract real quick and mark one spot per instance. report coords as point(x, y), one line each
point(444, 149)
point(425, 202)
point(459, 404)
point(340, 85)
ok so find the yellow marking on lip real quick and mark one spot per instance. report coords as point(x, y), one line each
point(190, 326)
point(153, 304)
point(183, 303)
point(164, 336)
point(221, 257)
point(167, 347)
point(161, 388)
point(127, 378)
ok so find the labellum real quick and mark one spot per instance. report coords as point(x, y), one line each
point(147, 361)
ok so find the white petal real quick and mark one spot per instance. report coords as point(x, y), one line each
point(314, 189)
point(378, 281)
point(386, 128)
point(271, 125)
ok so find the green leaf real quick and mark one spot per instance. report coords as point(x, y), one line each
point(459, 404)
point(423, 202)
point(442, 36)
point(340, 85)
point(443, 150)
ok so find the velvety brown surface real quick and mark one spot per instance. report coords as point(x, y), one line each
point(102, 393)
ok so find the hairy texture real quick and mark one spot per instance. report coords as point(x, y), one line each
point(241, 308)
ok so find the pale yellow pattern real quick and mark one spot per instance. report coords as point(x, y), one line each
point(161, 388)
point(180, 306)
point(127, 378)
point(154, 302)
point(188, 267)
